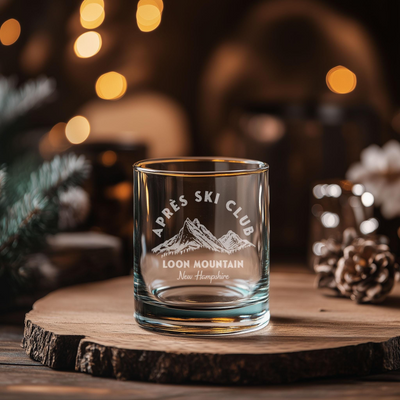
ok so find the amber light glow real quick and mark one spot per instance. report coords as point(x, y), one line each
point(9, 32)
point(87, 2)
point(122, 191)
point(54, 141)
point(341, 80)
point(92, 13)
point(57, 137)
point(77, 129)
point(158, 3)
point(148, 15)
point(111, 86)
point(108, 158)
point(88, 44)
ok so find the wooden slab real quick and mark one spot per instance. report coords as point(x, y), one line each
point(90, 328)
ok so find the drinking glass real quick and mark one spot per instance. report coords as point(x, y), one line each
point(201, 245)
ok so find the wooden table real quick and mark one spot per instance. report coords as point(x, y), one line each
point(20, 377)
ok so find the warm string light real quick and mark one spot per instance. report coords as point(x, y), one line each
point(330, 220)
point(111, 86)
point(54, 141)
point(367, 199)
point(9, 32)
point(368, 226)
point(77, 129)
point(121, 191)
point(158, 3)
point(87, 2)
point(341, 80)
point(88, 44)
point(62, 135)
point(108, 158)
point(326, 190)
point(92, 13)
point(148, 15)
point(56, 137)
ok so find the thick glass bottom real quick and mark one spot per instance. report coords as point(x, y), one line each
point(202, 322)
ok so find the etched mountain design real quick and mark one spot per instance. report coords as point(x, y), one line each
point(233, 242)
point(193, 236)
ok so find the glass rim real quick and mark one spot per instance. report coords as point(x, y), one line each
point(145, 166)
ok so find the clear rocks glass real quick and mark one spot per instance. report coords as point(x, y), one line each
point(201, 245)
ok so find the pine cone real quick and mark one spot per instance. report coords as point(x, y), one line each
point(362, 269)
point(331, 252)
point(366, 272)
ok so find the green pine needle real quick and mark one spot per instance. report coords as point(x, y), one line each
point(59, 173)
point(24, 225)
point(17, 179)
point(18, 101)
point(3, 180)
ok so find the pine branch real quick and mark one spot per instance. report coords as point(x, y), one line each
point(60, 173)
point(15, 102)
point(25, 225)
point(3, 180)
point(17, 182)
point(27, 222)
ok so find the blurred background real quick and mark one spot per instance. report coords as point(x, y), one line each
point(310, 87)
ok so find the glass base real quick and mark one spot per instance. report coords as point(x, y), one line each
point(196, 322)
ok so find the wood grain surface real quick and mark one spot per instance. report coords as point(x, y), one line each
point(90, 328)
point(21, 377)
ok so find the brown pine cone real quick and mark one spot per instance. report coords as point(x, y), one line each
point(362, 269)
point(331, 251)
point(366, 272)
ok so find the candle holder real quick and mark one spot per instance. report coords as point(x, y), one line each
point(201, 245)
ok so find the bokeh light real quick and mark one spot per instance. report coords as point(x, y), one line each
point(122, 191)
point(111, 86)
point(317, 248)
point(108, 158)
point(149, 28)
point(148, 12)
point(54, 141)
point(358, 189)
point(93, 24)
point(158, 3)
point(369, 226)
point(367, 199)
point(265, 128)
point(148, 15)
point(330, 220)
point(87, 2)
point(334, 190)
point(92, 13)
point(77, 129)
point(56, 137)
point(88, 44)
point(341, 80)
point(319, 191)
point(9, 32)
